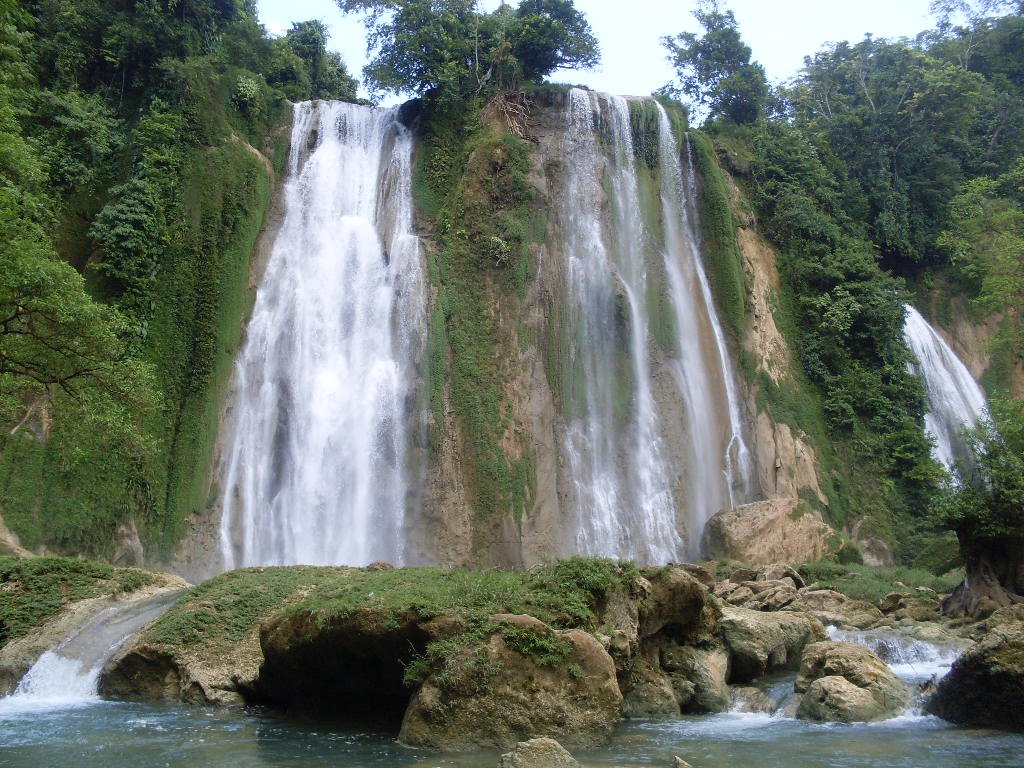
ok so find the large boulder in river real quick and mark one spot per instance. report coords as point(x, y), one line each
point(769, 531)
point(523, 680)
point(846, 682)
point(759, 642)
point(985, 687)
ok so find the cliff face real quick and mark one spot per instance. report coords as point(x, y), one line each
point(536, 355)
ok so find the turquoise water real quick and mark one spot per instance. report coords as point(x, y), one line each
point(107, 734)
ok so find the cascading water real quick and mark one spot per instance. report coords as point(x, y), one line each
point(735, 463)
point(67, 675)
point(621, 479)
point(617, 440)
point(316, 468)
point(955, 400)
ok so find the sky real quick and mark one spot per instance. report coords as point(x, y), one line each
point(780, 32)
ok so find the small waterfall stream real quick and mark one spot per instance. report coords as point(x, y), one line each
point(955, 400)
point(317, 467)
point(66, 676)
point(642, 475)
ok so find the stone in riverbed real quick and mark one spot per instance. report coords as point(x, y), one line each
point(835, 699)
point(846, 682)
point(538, 753)
point(507, 693)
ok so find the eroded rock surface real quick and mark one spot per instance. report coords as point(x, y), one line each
point(846, 682)
point(759, 643)
point(538, 753)
point(502, 693)
point(768, 531)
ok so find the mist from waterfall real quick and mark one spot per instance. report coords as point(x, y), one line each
point(636, 495)
point(955, 400)
point(316, 467)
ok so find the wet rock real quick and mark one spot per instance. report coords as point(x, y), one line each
point(985, 687)
point(649, 692)
point(678, 605)
point(769, 531)
point(678, 762)
point(750, 699)
point(538, 753)
point(835, 699)
point(759, 643)
point(858, 668)
point(128, 550)
point(699, 672)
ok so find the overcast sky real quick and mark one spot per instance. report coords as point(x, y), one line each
point(780, 32)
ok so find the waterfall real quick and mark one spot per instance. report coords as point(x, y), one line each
point(316, 467)
point(955, 400)
point(680, 204)
point(66, 676)
point(633, 490)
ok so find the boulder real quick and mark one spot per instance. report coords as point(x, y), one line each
point(648, 691)
point(758, 643)
point(750, 699)
point(538, 753)
point(859, 668)
point(676, 605)
point(769, 531)
point(831, 607)
point(506, 695)
point(985, 687)
point(698, 677)
point(835, 699)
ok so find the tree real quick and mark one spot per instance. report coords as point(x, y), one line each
point(715, 70)
point(449, 49)
point(985, 240)
point(328, 76)
point(550, 35)
point(984, 506)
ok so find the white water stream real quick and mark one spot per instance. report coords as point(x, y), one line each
point(955, 400)
point(66, 676)
point(317, 466)
point(632, 499)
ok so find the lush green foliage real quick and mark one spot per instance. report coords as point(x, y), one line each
point(721, 253)
point(226, 609)
point(130, 199)
point(985, 504)
point(863, 582)
point(449, 49)
point(472, 178)
point(36, 589)
point(985, 241)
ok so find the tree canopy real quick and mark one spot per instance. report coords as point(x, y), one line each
point(714, 69)
point(449, 49)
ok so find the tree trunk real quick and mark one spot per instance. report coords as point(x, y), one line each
point(994, 579)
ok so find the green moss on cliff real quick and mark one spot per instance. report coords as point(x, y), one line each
point(36, 589)
point(471, 179)
point(721, 253)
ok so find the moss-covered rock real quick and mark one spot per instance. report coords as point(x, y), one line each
point(985, 687)
point(508, 694)
point(44, 600)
